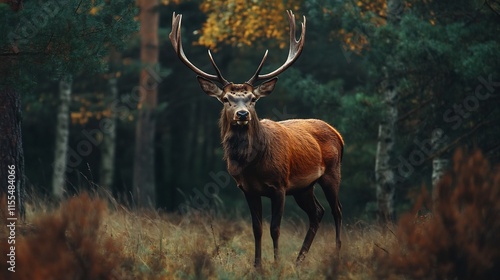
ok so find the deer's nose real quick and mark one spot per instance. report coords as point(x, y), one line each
point(242, 115)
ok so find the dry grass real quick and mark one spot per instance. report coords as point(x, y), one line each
point(87, 238)
point(203, 247)
point(84, 239)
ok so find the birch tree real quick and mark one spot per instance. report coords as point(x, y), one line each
point(41, 38)
point(108, 146)
point(62, 136)
point(384, 171)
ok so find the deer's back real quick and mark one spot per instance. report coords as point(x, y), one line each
point(312, 145)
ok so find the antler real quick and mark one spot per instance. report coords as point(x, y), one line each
point(175, 38)
point(296, 47)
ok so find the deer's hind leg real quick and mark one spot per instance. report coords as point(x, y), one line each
point(330, 183)
point(308, 202)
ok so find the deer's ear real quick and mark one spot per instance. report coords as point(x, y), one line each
point(265, 88)
point(210, 88)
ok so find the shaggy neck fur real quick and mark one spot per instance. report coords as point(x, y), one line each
point(242, 144)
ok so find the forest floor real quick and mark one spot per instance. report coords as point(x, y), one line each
point(88, 238)
point(453, 235)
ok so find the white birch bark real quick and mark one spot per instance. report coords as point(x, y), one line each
point(439, 164)
point(108, 146)
point(384, 173)
point(62, 135)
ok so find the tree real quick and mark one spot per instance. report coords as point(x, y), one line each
point(50, 40)
point(144, 159)
point(108, 149)
point(385, 177)
point(441, 59)
point(241, 22)
point(325, 84)
point(62, 135)
point(11, 149)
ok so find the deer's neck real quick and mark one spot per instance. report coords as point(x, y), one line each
point(242, 144)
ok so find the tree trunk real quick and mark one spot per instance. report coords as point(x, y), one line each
point(384, 172)
point(108, 146)
point(439, 164)
point(11, 149)
point(144, 167)
point(62, 136)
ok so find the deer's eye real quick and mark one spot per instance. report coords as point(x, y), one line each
point(225, 100)
point(254, 99)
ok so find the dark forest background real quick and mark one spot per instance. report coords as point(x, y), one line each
point(420, 76)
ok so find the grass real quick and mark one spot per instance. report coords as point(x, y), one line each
point(88, 237)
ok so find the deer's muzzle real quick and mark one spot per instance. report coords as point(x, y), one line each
point(242, 117)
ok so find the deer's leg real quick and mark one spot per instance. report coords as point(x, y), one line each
point(255, 205)
point(277, 204)
point(308, 202)
point(330, 185)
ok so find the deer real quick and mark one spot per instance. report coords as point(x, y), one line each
point(273, 159)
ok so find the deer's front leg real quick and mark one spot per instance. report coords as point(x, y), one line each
point(255, 205)
point(277, 204)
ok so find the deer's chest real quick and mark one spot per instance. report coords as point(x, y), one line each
point(259, 182)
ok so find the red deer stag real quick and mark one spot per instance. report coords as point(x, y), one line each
point(273, 159)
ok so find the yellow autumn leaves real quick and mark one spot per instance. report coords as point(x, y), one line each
point(242, 22)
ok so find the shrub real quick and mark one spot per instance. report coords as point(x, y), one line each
point(460, 239)
point(69, 243)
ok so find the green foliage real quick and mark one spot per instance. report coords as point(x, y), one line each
point(310, 91)
point(436, 53)
point(356, 116)
point(424, 48)
point(56, 37)
point(436, 56)
point(353, 113)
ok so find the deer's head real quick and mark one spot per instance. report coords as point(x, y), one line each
point(239, 99)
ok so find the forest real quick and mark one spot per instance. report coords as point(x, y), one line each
point(98, 115)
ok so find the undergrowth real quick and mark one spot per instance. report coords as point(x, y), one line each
point(88, 238)
point(457, 236)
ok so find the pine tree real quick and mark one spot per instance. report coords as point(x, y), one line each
point(144, 160)
point(52, 39)
point(442, 58)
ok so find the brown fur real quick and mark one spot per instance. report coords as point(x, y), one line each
point(275, 159)
point(280, 150)
point(269, 158)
